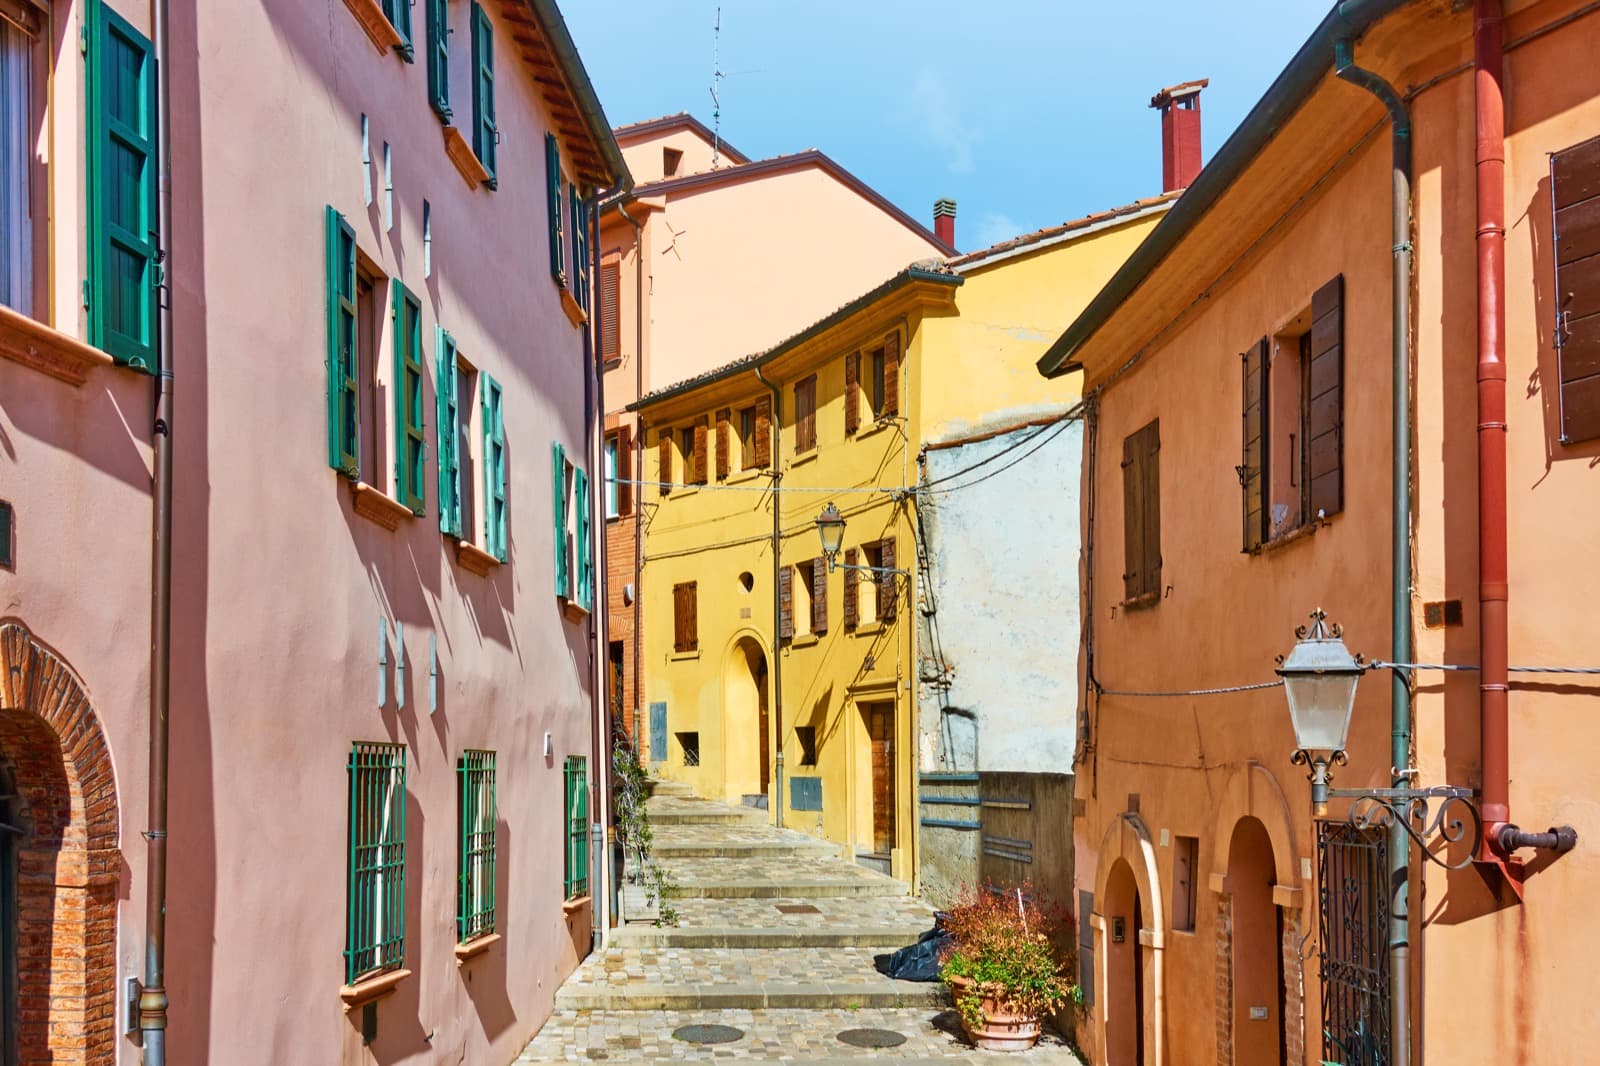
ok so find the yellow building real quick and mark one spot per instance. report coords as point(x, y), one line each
point(840, 413)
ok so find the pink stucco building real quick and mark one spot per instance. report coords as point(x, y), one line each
point(710, 257)
point(382, 436)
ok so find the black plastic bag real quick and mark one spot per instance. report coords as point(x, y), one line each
point(919, 961)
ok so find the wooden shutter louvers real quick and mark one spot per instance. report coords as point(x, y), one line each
point(888, 584)
point(891, 375)
point(764, 431)
point(1253, 471)
point(852, 615)
point(1575, 195)
point(724, 450)
point(1325, 413)
point(785, 603)
point(700, 450)
point(819, 596)
point(852, 392)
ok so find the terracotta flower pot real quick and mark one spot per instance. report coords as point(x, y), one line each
point(1002, 1029)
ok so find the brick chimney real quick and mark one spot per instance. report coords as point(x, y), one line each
point(1180, 133)
point(944, 220)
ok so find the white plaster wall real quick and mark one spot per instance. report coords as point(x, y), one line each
point(1002, 586)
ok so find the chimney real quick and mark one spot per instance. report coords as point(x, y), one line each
point(944, 220)
point(1180, 133)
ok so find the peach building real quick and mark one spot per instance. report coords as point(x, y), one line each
point(1242, 369)
point(329, 801)
point(710, 257)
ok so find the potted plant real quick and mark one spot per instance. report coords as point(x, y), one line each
point(1003, 968)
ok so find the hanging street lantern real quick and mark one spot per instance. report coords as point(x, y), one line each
point(1319, 679)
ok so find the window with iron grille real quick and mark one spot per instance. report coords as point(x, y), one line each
point(475, 905)
point(375, 928)
point(577, 808)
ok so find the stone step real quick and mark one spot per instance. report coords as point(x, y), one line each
point(886, 938)
point(669, 849)
point(670, 788)
point(711, 816)
point(842, 888)
point(753, 995)
point(768, 877)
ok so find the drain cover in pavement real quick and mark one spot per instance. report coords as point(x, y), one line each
point(797, 908)
point(872, 1038)
point(708, 1034)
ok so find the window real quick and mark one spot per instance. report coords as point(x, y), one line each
point(1185, 875)
point(664, 460)
point(576, 882)
point(427, 239)
point(872, 375)
point(685, 617)
point(122, 190)
point(7, 522)
point(1292, 471)
point(491, 418)
point(670, 158)
point(613, 491)
point(805, 415)
point(803, 599)
point(398, 12)
point(388, 187)
point(366, 161)
point(437, 14)
point(692, 447)
point(370, 420)
point(409, 452)
point(466, 455)
point(485, 135)
point(611, 311)
point(478, 810)
point(747, 439)
point(343, 404)
point(375, 929)
point(870, 598)
point(20, 116)
point(807, 736)
point(1575, 193)
point(580, 247)
point(690, 745)
point(447, 431)
point(552, 189)
point(1141, 515)
point(763, 432)
point(573, 532)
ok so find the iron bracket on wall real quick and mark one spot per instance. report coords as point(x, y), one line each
point(1413, 810)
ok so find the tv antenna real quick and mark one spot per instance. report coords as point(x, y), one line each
point(716, 80)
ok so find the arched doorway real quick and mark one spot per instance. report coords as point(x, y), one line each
point(1124, 968)
point(747, 763)
point(62, 866)
point(1257, 955)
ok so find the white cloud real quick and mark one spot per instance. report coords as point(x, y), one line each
point(938, 123)
point(992, 228)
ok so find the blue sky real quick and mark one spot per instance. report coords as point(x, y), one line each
point(1027, 112)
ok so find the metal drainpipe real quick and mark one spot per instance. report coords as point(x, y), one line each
point(1400, 583)
point(777, 567)
point(635, 468)
point(599, 695)
point(153, 996)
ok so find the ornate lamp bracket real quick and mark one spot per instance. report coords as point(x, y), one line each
point(1414, 810)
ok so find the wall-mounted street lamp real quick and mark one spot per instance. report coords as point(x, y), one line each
point(830, 527)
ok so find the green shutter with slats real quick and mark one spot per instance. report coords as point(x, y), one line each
point(580, 501)
point(444, 354)
point(410, 453)
point(344, 449)
point(552, 185)
point(484, 133)
point(576, 875)
point(123, 220)
point(398, 12)
point(558, 473)
point(438, 45)
point(580, 247)
point(494, 469)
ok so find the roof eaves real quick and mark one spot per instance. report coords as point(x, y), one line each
point(1067, 231)
point(680, 120)
point(582, 90)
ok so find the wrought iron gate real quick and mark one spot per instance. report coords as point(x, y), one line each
point(1352, 868)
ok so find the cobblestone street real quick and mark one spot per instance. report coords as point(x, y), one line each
point(776, 938)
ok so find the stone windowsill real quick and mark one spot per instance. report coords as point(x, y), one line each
point(807, 456)
point(369, 14)
point(683, 656)
point(739, 477)
point(575, 906)
point(457, 147)
point(803, 640)
point(377, 506)
point(1147, 599)
point(471, 557)
point(370, 989)
point(573, 611)
point(49, 351)
point(569, 303)
point(872, 427)
point(1288, 537)
point(475, 947)
point(868, 629)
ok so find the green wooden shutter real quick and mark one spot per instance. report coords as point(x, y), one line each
point(398, 12)
point(344, 449)
point(552, 183)
point(484, 134)
point(494, 469)
point(444, 349)
point(580, 492)
point(438, 27)
point(410, 453)
point(580, 247)
point(123, 221)
point(558, 471)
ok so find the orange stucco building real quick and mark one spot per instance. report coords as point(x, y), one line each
point(1238, 474)
point(710, 257)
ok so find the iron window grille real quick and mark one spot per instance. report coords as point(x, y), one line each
point(576, 881)
point(375, 933)
point(479, 810)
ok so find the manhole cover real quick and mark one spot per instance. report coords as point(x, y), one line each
point(708, 1034)
point(872, 1038)
point(797, 908)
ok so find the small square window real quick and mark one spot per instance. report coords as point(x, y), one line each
point(612, 489)
point(807, 736)
point(747, 438)
point(670, 158)
point(690, 744)
point(1185, 872)
point(686, 456)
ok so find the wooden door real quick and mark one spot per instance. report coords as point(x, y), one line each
point(880, 728)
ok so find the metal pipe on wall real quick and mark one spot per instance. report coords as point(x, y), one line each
point(602, 888)
point(777, 567)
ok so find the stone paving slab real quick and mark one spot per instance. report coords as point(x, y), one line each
point(932, 1036)
point(880, 912)
point(737, 840)
point(767, 877)
point(682, 810)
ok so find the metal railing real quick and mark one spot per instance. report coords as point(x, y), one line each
point(479, 811)
point(375, 929)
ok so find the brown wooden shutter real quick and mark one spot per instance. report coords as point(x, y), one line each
point(1132, 516)
point(1575, 190)
point(700, 449)
point(664, 459)
point(625, 468)
point(785, 603)
point(1325, 416)
point(891, 374)
point(888, 584)
point(1151, 508)
point(852, 392)
point(724, 451)
point(680, 618)
point(805, 414)
point(692, 595)
point(764, 431)
point(1253, 472)
point(819, 596)
point(610, 311)
point(851, 614)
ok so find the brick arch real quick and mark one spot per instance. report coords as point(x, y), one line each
point(1253, 791)
point(1128, 838)
point(68, 864)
